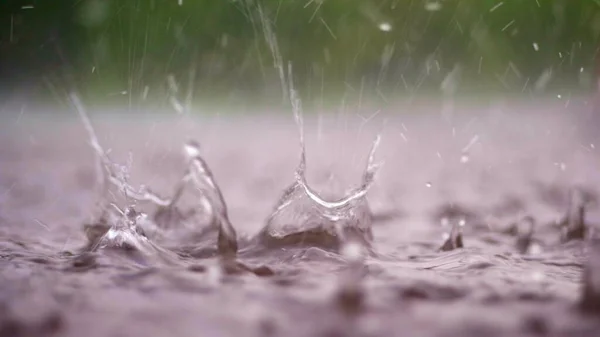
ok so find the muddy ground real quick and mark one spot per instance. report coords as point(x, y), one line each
point(490, 164)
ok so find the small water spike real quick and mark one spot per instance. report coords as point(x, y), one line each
point(124, 232)
point(350, 294)
point(454, 239)
point(524, 232)
point(573, 223)
point(202, 178)
point(590, 295)
point(126, 238)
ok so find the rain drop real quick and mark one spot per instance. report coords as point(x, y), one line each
point(385, 27)
point(428, 184)
point(536, 47)
point(433, 6)
point(464, 158)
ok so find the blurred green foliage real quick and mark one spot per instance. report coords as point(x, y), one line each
point(218, 47)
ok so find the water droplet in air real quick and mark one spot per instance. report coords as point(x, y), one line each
point(559, 96)
point(192, 149)
point(464, 158)
point(433, 6)
point(428, 184)
point(385, 26)
point(536, 47)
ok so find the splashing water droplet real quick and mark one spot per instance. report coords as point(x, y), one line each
point(192, 149)
point(385, 27)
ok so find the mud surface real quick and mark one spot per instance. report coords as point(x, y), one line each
point(489, 168)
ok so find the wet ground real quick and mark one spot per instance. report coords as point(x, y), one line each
point(487, 167)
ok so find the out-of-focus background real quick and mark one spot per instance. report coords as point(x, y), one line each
point(139, 52)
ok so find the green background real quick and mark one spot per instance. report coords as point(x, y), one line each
point(118, 50)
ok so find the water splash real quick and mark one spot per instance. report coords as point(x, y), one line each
point(573, 223)
point(122, 230)
point(202, 178)
point(454, 239)
point(303, 217)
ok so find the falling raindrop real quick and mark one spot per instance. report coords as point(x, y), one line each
point(543, 80)
point(433, 6)
point(385, 27)
point(428, 184)
point(536, 47)
point(464, 158)
point(497, 6)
